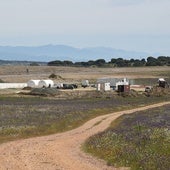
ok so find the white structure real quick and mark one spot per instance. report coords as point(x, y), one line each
point(12, 85)
point(161, 79)
point(113, 81)
point(103, 87)
point(122, 82)
point(58, 85)
point(46, 83)
point(33, 83)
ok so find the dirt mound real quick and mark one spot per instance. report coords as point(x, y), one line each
point(54, 76)
point(44, 91)
point(27, 88)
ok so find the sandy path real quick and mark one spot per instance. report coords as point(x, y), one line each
point(60, 151)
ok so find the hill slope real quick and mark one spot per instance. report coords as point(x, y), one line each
point(62, 52)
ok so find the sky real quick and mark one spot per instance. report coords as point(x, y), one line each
point(135, 25)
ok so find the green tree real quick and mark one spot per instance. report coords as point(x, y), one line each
point(55, 63)
point(67, 63)
point(100, 62)
point(151, 61)
point(164, 60)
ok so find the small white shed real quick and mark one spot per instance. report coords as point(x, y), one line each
point(103, 87)
point(33, 83)
point(46, 83)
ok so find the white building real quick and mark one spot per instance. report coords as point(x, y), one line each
point(103, 86)
point(113, 81)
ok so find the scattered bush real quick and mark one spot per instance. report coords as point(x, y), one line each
point(54, 76)
point(1, 81)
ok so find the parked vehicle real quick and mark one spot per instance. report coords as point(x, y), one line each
point(70, 86)
point(163, 83)
point(85, 83)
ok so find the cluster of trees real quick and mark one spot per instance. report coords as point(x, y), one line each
point(116, 62)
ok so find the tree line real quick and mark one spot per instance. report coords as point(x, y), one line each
point(116, 62)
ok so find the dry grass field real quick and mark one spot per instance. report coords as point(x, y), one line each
point(19, 74)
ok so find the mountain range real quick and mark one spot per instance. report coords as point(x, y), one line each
point(48, 53)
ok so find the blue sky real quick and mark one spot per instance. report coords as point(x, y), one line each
point(138, 25)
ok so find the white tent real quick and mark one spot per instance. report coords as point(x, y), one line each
point(46, 83)
point(33, 83)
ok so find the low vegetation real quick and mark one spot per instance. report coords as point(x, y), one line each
point(22, 117)
point(140, 141)
point(1, 81)
point(54, 76)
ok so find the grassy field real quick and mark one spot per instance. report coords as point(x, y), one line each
point(140, 141)
point(22, 117)
point(29, 116)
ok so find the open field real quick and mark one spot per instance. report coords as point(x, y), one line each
point(25, 116)
point(61, 151)
point(22, 117)
point(140, 141)
point(18, 74)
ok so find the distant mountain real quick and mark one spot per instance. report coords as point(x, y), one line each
point(62, 52)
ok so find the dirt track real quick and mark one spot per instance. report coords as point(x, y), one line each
point(60, 151)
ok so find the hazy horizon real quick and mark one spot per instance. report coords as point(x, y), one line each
point(133, 25)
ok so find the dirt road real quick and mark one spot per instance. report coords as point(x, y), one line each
point(60, 151)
